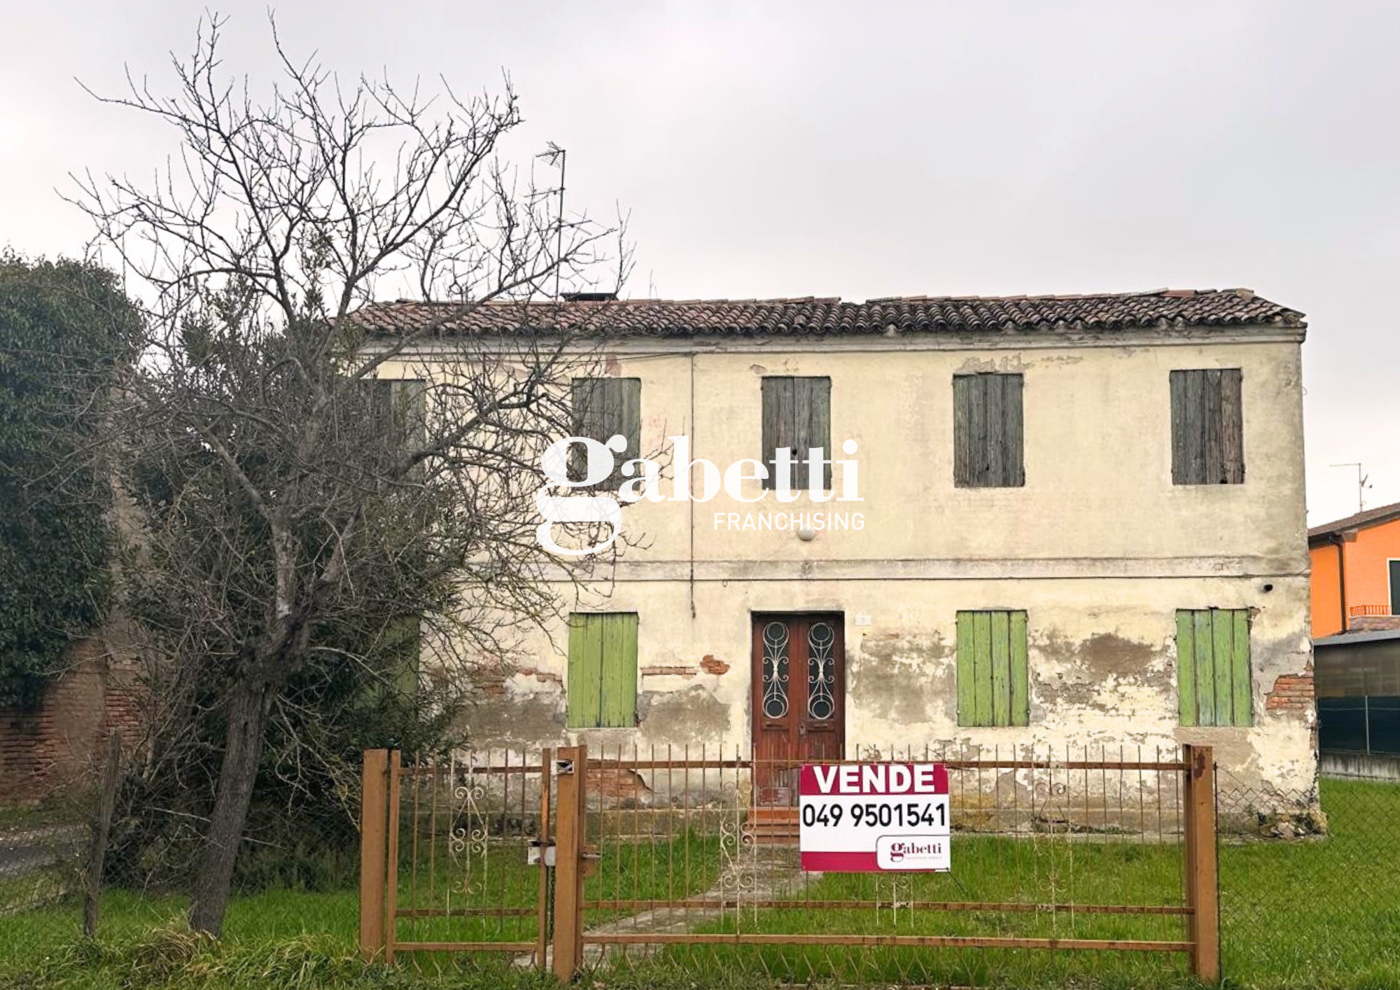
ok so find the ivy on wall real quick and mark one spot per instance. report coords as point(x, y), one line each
point(63, 327)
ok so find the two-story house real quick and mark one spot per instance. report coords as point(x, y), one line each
point(1356, 636)
point(1356, 572)
point(1059, 521)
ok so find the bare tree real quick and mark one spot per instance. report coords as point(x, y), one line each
point(307, 481)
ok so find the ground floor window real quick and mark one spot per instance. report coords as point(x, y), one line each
point(602, 683)
point(993, 675)
point(1212, 666)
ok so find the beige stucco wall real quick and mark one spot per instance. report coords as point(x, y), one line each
point(1099, 547)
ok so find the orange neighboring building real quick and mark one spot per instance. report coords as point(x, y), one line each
point(1356, 572)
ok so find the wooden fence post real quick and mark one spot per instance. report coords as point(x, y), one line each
point(101, 829)
point(542, 903)
point(570, 824)
point(1202, 870)
point(373, 816)
point(391, 893)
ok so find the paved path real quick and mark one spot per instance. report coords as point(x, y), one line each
point(760, 873)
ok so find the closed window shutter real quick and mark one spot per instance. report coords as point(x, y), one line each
point(1207, 427)
point(1214, 681)
point(395, 412)
point(988, 431)
point(796, 415)
point(993, 668)
point(602, 684)
point(603, 408)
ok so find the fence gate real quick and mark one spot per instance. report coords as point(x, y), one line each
point(659, 856)
point(453, 854)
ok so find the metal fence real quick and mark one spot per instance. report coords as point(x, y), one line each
point(689, 858)
point(696, 872)
point(1310, 884)
point(41, 860)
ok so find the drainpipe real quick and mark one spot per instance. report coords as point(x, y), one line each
point(1340, 543)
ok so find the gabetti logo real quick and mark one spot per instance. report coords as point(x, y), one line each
point(558, 507)
point(894, 852)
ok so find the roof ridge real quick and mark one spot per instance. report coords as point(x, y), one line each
point(1244, 294)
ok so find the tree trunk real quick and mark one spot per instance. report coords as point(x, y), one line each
point(247, 720)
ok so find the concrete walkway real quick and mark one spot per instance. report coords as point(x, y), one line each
point(758, 873)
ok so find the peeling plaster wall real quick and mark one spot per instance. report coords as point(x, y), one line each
point(1098, 547)
point(1102, 658)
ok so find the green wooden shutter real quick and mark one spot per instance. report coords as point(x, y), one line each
point(602, 685)
point(988, 431)
point(1213, 670)
point(992, 669)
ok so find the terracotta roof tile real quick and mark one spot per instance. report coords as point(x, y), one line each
point(1164, 309)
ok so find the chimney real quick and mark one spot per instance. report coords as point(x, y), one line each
point(590, 296)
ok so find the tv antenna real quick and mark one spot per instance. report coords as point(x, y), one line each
point(1361, 484)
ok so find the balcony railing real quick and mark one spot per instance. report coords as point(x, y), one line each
point(1356, 610)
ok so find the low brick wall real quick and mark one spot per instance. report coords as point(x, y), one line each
point(60, 743)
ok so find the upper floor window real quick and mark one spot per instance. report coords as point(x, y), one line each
point(796, 415)
point(1207, 427)
point(396, 419)
point(602, 408)
point(988, 431)
point(396, 406)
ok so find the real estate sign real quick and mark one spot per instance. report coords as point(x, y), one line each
point(874, 817)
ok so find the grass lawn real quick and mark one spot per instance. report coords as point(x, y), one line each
point(1305, 914)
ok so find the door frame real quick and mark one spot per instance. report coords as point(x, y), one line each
point(756, 618)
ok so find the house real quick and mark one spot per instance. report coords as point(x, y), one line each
point(1055, 521)
point(1356, 630)
point(1356, 572)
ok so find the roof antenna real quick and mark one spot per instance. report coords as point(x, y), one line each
point(1361, 484)
point(557, 156)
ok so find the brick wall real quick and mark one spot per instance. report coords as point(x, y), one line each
point(61, 743)
point(1373, 623)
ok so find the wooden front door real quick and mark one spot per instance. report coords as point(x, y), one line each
point(799, 699)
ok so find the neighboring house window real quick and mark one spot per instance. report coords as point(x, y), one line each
point(1207, 427)
point(796, 415)
point(988, 442)
point(993, 674)
point(602, 670)
point(603, 408)
point(1212, 666)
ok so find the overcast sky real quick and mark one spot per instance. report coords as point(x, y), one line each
point(863, 150)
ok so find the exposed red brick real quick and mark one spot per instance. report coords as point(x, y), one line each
point(62, 742)
point(617, 784)
point(712, 666)
point(1374, 623)
point(1291, 693)
point(543, 676)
